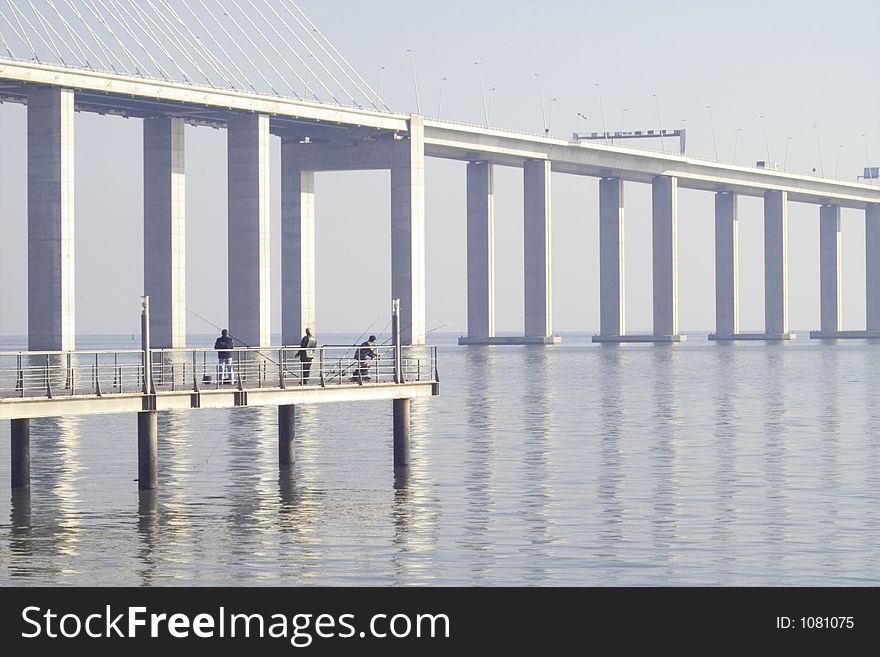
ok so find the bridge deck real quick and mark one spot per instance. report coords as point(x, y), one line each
point(107, 93)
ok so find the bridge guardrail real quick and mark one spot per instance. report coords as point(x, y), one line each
point(52, 374)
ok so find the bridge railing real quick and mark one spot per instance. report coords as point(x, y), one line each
point(51, 374)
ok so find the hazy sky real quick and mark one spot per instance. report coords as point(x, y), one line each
point(798, 63)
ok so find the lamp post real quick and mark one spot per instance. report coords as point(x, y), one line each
point(819, 149)
point(440, 99)
point(659, 122)
point(714, 138)
point(766, 140)
point(479, 66)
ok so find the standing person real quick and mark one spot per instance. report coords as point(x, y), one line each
point(364, 355)
point(224, 357)
point(306, 355)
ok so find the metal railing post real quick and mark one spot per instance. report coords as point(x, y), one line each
point(145, 346)
point(395, 336)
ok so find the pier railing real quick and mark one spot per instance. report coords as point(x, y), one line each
point(52, 374)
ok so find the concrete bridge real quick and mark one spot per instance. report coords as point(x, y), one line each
point(319, 137)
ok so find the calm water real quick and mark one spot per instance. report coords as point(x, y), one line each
point(701, 463)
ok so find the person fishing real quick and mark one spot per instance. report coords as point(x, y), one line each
point(306, 354)
point(224, 356)
point(364, 354)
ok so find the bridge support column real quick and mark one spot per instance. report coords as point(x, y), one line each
point(829, 271)
point(726, 267)
point(776, 266)
point(147, 450)
point(21, 453)
point(665, 245)
point(297, 246)
point(248, 229)
point(611, 254)
point(536, 246)
point(51, 293)
point(286, 435)
point(872, 266)
point(408, 231)
point(480, 250)
point(165, 230)
point(401, 432)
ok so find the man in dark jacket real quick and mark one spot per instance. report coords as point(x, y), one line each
point(364, 355)
point(224, 357)
point(306, 355)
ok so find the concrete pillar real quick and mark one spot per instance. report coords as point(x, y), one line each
point(726, 264)
point(829, 268)
point(286, 434)
point(20, 455)
point(611, 254)
point(147, 450)
point(480, 250)
point(408, 231)
point(665, 246)
point(51, 293)
point(401, 432)
point(775, 263)
point(248, 229)
point(297, 247)
point(165, 230)
point(536, 247)
point(872, 266)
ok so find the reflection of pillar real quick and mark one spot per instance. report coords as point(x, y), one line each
point(775, 263)
point(51, 295)
point(726, 264)
point(611, 253)
point(165, 231)
point(480, 250)
point(401, 432)
point(21, 453)
point(286, 434)
point(872, 265)
point(665, 247)
point(147, 450)
point(408, 231)
point(248, 228)
point(829, 267)
point(297, 247)
point(536, 247)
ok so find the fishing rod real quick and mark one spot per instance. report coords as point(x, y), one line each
point(246, 345)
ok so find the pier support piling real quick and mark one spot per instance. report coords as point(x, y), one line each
point(611, 253)
point(480, 250)
point(776, 265)
point(664, 227)
point(286, 435)
point(726, 265)
point(401, 432)
point(147, 450)
point(21, 454)
point(248, 228)
point(165, 230)
point(829, 267)
point(872, 266)
point(408, 231)
point(50, 235)
point(537, 301)
point(297, 246)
